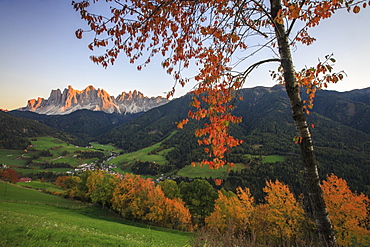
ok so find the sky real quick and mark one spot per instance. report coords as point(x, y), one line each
point(39, 52)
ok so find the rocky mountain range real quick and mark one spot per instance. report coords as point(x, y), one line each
point(70, 100)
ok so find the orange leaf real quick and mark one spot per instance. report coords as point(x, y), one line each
point(356, 9)
point(79, 33)
point(218, 181)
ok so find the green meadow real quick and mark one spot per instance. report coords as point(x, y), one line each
point(31, 218)
point(44, 143)
point(12, 157)
point(266, 158)
point(105, 147)
point(188, 171)
point(142, 155)
point(205, 172)
point(16, 193)
point(34, 184)
point(272, 158)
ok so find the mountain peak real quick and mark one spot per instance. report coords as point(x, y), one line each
point(93, 99)
point(90, 88)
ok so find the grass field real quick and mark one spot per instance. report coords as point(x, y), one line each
point(141, 155)
point(205, 171)
point(31, 218)
point(272, 158)
point(107, 148)
point(267, 158)
point(12, 157)
point(9, 192)
point(44, 143)
point(38, 185)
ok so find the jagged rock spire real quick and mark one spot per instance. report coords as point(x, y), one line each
point(93, 99)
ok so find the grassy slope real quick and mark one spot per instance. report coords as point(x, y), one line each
point(272, 158)
point(141, 155)
point(8, 156)
point(54, 221)
point(205, 172)
point(104, 147)
point(39, 185)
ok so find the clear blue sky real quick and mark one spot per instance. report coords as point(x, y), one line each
point(39, 52)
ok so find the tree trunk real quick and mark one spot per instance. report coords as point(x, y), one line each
point(323, 223)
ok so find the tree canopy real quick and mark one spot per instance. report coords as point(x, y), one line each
point(219, 37)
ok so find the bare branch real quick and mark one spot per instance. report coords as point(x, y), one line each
point(255, 65)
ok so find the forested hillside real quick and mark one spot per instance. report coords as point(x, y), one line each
point(82, 123)
point(150, 128)
point(15, 132)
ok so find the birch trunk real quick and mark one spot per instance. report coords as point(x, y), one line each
point(322, 220)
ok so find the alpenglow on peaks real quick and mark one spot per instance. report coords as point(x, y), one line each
point(92, 99)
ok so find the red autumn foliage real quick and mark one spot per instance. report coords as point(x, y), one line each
point(9, 175)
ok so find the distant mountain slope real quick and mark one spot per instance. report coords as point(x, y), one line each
point(266, 117)
point(92, 99)
point(357, 95)
point(84, 124)
point(151, 127)
point(15, 132)
point(348, 108)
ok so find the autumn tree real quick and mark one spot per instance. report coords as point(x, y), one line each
point(237, 209)
point(220, 38)
point(139, 199)
point(9, 175)
point(61, 181)
point(69, 184)
point(348, 211)
point(280, 220)
point(100, 186)
point(282, 217)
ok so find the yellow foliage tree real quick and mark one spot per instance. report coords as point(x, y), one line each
point(232, 208)
point(282, 217)
point(348, 211)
